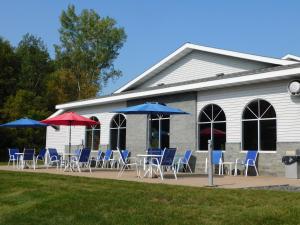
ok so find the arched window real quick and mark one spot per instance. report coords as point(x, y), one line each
point(118, 132)
point(259, 126)
point(159, 127)
point(212, 126)
point(92, 135)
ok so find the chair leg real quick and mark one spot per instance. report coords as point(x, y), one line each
point(161, 173)
point(178, 166)
point(188, 166)
point(235, 170)
point(174, 170)
point(246, 171)
point(256, 170)
point(206, 166)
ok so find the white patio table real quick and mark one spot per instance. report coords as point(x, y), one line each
point(67, 157)
point(149, 170)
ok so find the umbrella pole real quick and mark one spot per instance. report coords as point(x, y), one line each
point(69, 142)
point(147, 132)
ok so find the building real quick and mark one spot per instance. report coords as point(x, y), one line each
point(242, 98)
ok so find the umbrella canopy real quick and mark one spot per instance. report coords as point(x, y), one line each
point(23, 123)
point(216, 132)
point(150, 108)
point(70, 119)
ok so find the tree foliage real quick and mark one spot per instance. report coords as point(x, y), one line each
point(89, 45)
point(31, 83)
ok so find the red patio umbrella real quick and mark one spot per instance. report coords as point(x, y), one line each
point(216, 132)
point(70, 119)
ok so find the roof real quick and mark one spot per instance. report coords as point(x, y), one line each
point(246, 77)
point(186, 49)
point(291, 57)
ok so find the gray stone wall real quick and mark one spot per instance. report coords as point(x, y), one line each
point(182, 127)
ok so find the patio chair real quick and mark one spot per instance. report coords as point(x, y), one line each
point(84, 160)
point(54, 157)
point(13, 157)
point(152, 151)
point(166, 162)
point(40, 156)
point(27, 157)
point(217, 159)
point(125, 155)
point(185, 161)
point(250, 160)
point(98, 158)
point(126, 164)
point(106, 159)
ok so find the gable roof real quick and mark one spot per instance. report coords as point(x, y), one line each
point(239, 78)
point(291, 57)
point(186, 49)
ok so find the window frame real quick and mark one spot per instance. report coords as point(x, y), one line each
point(92, 129)
point(159, 119)
point(211, 125)
point(258, 119)
point(118, 128)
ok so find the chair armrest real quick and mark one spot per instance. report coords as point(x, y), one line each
point(249, 160)
point(55, 158)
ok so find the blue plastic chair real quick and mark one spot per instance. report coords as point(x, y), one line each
point(217, 159)
point(54, 157)
point(250, 160)
point(41, 156)
point(28, 156)
point(13, 157)
point(84, 160)
point(126, 164)
point(154, 151)
point(106, 158)
point(185, 161)
point(98, 158)
point(166, 162)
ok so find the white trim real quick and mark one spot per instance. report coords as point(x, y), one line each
point(260, 151)
point(291, 57)
point(187, 48)
point(254, 78)
point(58, 112)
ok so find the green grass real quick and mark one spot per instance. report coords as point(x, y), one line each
point(34, 198)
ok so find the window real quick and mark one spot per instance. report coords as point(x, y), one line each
point(92, 135)
point(159, 135)
point(118, 132)
point(259, 126)
point(212, 126)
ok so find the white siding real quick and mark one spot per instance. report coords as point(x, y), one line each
point(233, 101)
point(59, 139)
point(197, 65)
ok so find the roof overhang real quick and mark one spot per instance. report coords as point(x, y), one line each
point(187, 48)
point(233, 81)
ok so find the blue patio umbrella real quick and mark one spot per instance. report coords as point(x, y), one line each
point(24, 123)
point(150, 108)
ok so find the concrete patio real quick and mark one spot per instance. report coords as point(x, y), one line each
point(196, 180)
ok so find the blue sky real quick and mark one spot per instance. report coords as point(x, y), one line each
point(156, 28)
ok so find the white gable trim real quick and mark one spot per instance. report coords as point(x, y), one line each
point(291, 57)
point(187, 48)
point(267, 76)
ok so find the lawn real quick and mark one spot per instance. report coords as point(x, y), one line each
point(34, 198)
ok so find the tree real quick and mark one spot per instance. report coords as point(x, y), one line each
point(89, 45)
point(35, 64)
point(9, 68)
